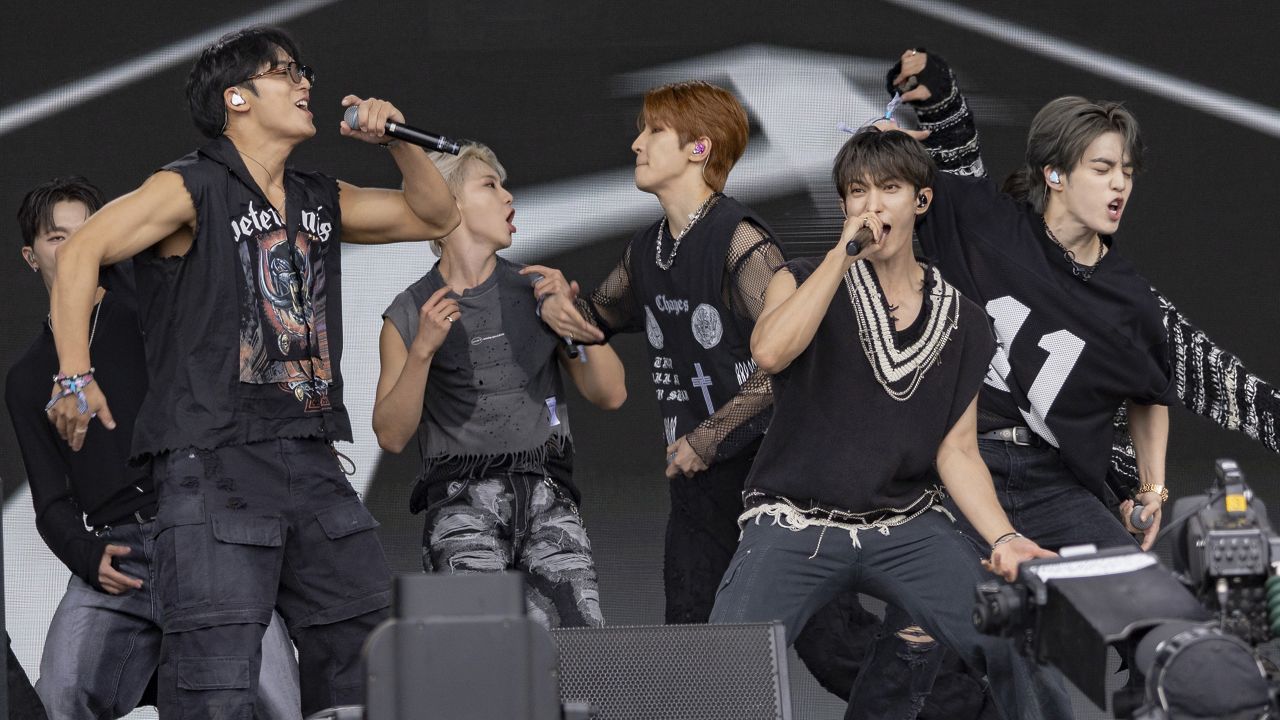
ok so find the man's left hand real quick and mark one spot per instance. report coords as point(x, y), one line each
point(682, 460)
point(1151, 508)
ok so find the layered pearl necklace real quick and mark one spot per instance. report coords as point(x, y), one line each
point(900, 371)
point(694, 217)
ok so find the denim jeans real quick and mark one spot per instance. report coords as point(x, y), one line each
point(1045, 502)
point(102, 649)
point(518, 521)
point(701, 537)
point(246, 529)
point(922, 566)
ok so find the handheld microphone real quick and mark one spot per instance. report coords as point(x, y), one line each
point(859, 241)
point(571, 347)
point(413, 136)
point(1135, 518)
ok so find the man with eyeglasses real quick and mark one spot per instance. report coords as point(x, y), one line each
point(237, 260)
point(94, 510)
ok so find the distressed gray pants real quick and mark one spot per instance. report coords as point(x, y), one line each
point(518, 521)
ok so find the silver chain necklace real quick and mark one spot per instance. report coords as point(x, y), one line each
point(1080, 270)
point(93, 329)
point(890, 365)
point(694, 217)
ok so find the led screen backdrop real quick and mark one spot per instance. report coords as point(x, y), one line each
point(554, 88)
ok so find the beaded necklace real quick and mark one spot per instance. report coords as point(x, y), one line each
point(899, 371)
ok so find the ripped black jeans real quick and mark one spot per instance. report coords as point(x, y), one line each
point(923, 566)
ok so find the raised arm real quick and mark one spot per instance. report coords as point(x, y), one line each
point(424, 210)
point(157, 211)
point(792, 312)
point(942, 111)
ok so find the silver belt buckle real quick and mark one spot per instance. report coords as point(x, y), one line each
point(1020, 435)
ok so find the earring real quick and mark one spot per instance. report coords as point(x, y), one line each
point(699, 148)
point(236, 99)
point(35, 268)
point(1054, 177)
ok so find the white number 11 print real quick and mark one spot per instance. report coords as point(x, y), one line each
point(1064, 348)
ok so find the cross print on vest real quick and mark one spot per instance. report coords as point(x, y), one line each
point(704, 382)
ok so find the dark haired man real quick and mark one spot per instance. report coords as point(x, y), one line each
point(238, 271)
point(93, 509)
point(883, 351)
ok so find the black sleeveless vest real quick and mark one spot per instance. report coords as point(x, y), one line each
point(700, 350)
point(244, 332)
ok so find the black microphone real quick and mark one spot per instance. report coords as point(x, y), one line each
point(571, 347)
point(413, 136)
point(859, 241)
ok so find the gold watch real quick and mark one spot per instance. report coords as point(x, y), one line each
point(1161, 490)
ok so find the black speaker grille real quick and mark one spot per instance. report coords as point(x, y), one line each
point(676, 672)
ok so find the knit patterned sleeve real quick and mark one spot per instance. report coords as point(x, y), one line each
point(953, 137)
point(1210, 382)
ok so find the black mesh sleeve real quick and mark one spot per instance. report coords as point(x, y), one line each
point(612, 306)
point(1210, 382)
point(752, 259)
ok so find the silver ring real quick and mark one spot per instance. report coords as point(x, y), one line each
point(449, 317)
point(913, 52)
point(671, 458)
point(82, 431)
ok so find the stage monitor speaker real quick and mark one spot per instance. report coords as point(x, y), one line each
point(691, 672)
point(460, 648)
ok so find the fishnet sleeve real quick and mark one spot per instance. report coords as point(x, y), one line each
point(1210, 382)
point(749, 266)
point(612, 306)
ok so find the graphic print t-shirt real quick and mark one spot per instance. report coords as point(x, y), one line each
point(283, 324)
point(244, 332)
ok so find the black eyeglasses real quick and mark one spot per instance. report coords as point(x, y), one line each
point(296, 73)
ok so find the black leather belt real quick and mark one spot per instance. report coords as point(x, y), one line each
point(1019, 435)
point(141, 516)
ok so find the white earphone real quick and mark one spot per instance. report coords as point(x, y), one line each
point(1054, 177)
point(237, 100)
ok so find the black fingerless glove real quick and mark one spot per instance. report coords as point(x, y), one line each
point(936, 76)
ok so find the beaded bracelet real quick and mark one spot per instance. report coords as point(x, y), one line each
point(72, 385)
